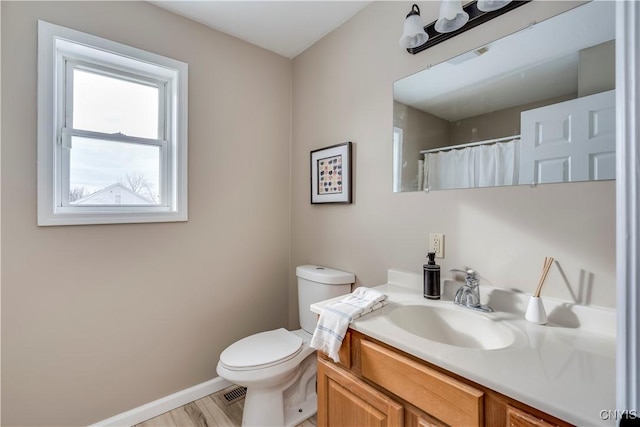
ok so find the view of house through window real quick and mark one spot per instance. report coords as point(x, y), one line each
point(96, 166)
point(108, 171)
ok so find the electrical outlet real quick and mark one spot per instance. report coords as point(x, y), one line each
point(436, 244)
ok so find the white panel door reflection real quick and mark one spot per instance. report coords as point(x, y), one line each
point(569, 141)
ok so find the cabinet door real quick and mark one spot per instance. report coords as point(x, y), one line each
point(519, 418)
point(346, 401)
point(416, 418)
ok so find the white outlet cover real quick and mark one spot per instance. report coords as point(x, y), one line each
point(436, 244)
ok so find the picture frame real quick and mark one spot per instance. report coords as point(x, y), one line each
point(331, 175)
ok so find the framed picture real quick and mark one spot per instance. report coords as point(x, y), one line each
point(331, 174)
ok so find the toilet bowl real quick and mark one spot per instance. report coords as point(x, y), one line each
point(267, 375)
point(278, 367)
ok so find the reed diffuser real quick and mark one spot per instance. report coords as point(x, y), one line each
point(535, 310)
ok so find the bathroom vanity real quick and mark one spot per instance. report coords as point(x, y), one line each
point(378, 385)
point(390, 373)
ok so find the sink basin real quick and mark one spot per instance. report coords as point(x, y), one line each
point(454, 326)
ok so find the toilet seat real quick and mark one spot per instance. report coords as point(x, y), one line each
point(261, 350)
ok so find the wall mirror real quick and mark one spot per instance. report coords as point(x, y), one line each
point(535, 107)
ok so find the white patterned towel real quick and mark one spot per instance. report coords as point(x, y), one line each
point(335, 318)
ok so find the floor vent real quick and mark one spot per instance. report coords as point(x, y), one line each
point(234, 395)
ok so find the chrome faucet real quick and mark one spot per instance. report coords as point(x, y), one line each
point(469, 294)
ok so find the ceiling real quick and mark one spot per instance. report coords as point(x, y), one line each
point(284, 27)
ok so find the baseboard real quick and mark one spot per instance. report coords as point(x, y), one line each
point(164, 404)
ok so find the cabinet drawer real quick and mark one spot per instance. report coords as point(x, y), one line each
point(445, 398)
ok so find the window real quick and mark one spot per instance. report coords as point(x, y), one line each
point(112, 132)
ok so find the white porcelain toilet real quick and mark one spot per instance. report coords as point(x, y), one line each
point(278, 367)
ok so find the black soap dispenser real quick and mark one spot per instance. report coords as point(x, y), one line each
point(431, 271)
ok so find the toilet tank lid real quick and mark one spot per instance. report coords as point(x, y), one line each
point(317, 273)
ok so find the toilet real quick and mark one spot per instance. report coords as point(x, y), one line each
point(278, 367)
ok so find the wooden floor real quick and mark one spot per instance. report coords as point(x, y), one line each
point(209, 411)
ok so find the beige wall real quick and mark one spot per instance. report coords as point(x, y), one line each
point(597, 69)
point(343, 91)
point(97, 320)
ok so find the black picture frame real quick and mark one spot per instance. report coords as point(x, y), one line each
point(331, 174)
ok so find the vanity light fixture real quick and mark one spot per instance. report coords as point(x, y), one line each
point(413, 34)
point(452, 17)
point(437, 30)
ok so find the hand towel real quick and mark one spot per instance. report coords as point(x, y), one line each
point(336, 316)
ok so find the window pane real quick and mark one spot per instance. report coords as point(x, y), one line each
point(113, 173)
point(111, 105)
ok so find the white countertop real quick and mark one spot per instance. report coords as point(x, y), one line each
point(565, 368)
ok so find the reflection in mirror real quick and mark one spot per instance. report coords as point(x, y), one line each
point(534, 107)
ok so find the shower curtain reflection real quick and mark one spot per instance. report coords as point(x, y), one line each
point(479, 165)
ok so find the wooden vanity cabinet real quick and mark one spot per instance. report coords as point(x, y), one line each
point(519, 418)
point(377, 385)
point(414, 417)
point(347, 401)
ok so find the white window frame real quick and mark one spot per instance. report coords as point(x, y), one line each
point(61, 49)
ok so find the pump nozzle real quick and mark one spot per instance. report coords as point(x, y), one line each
point(432, 258)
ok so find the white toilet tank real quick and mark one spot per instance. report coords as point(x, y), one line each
point(316, 283)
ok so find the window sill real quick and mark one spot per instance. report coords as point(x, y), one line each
point(110, 218)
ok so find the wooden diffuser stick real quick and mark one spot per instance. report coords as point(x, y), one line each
point(548, 262)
